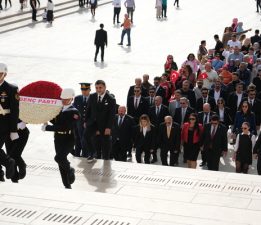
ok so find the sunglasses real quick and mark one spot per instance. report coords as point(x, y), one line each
point(204, 93)
point(136, 90)
point(244, 106)
point(182, 103)
point(244, 128)
point(220, 103)
point(192, 118)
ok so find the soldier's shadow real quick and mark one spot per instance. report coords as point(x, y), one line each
point(101, 65)
point(99, 174)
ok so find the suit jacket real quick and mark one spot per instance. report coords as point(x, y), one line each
point(256, 109)
point(81, 105)
point(232, 103)
point(146, 143)
point(9, 100)
point(162, 93)
point(171, 143)
point(100, 38)
point(123, 133)
point(150, 103)
point(223, 94)
point(100, 116)
point(211, 101)
point(201, 117)
point(157, 120)
point(257, 147)
point(178, 117)
point(227, 116)
point(144, 92)
point(219, 143)
point(142, 108)
point(240, 118)
point(172, 107)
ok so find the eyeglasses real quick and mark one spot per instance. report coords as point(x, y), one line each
point(192, 118)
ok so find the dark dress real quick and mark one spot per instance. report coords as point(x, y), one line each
point(191, 150)
point(244, 152)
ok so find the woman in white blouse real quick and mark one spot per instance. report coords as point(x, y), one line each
point(223, 112)
point(50, 7)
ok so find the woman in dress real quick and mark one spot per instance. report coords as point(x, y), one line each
point(245, 143)
point(191, 137)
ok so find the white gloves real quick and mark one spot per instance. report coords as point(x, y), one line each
point(43, 128)
point(21, 126)
point(14, 136)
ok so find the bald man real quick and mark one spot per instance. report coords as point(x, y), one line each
point(122, 135)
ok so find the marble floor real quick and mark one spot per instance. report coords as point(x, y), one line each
point(112, 192)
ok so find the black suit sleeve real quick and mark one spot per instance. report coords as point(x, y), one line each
point(111, 113)
point(14, 109)
point(257, 146)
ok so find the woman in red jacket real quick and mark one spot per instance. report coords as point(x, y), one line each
point(191, 136)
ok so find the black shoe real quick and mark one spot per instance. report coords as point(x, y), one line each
point(68, 186)
point(202, 164)
point(153, 161)
point(10, 169)
point(102, 60)
point(119, 43)
point(15, 178)
point(72, 175)
point(95, 60)
point(128, 45)
point(35, 20)
point(22, 171)
point(118, 22)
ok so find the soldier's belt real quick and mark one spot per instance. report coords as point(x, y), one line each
point(65, 132)
point(4, 111)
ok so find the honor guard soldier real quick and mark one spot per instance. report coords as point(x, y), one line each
point(62, 126)
point(80, 103)
point(9, 111)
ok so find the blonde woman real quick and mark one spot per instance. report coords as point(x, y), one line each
point(144, 140)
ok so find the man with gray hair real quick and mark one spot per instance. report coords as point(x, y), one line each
point(182, 114)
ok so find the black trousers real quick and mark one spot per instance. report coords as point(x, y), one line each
point(97, 51)
point(139, 151)
point(259, 165)
point(258, 5)
point(176, 1)
point(173, 158)
point(1, 7)
point(212, 160)
point(164, 10)
point(204, 156)
point(103, 146)
point(116, 13)
point(81, 3)
point(15, 149)
point(130, 11)
point(10, 3)
point(34, 11)
point(119, 152)
point(63, 146)
point(3, 156)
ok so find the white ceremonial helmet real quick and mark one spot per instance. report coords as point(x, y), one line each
point(67, 93)
point(3, 68)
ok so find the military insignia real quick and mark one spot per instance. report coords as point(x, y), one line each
point(17, 97)
point(75, 116)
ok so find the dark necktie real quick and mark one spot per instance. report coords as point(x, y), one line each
point(120, 122)
point(213, 132)
point(99, 99)
point(136, 103)
point(157, 111)
point(204, 101)
point(206, 118)
point(151, 100)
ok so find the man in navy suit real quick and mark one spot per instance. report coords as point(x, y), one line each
point(80, 103)
point(137, 105)
point(122, 138)
point(100, 116)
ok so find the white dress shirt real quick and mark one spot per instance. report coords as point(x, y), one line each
point(239, 98)
point(253, 140)
point(216, 95)
point(222, 114)
point(144, 130)
point(102, 96)
point(138, 102)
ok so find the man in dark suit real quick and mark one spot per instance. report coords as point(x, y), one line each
point(9, 112)
point(122, 135)
point(169, 141)
point(255, 104)
point(151, 97)
point(217, 91)
point(80, 103)
point(100, 116)
point(100, 41)
point(157, 114)
point(257, 153)
point(204, 118)
point(138, 83)
point(160, 91)
point(235, 98)
point(182, 114)
point(137, 105)
point(145, 83)
point(214, 142)
point(188, 93)
point(205, 99)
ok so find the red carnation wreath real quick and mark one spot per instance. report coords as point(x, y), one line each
point(40, 102)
